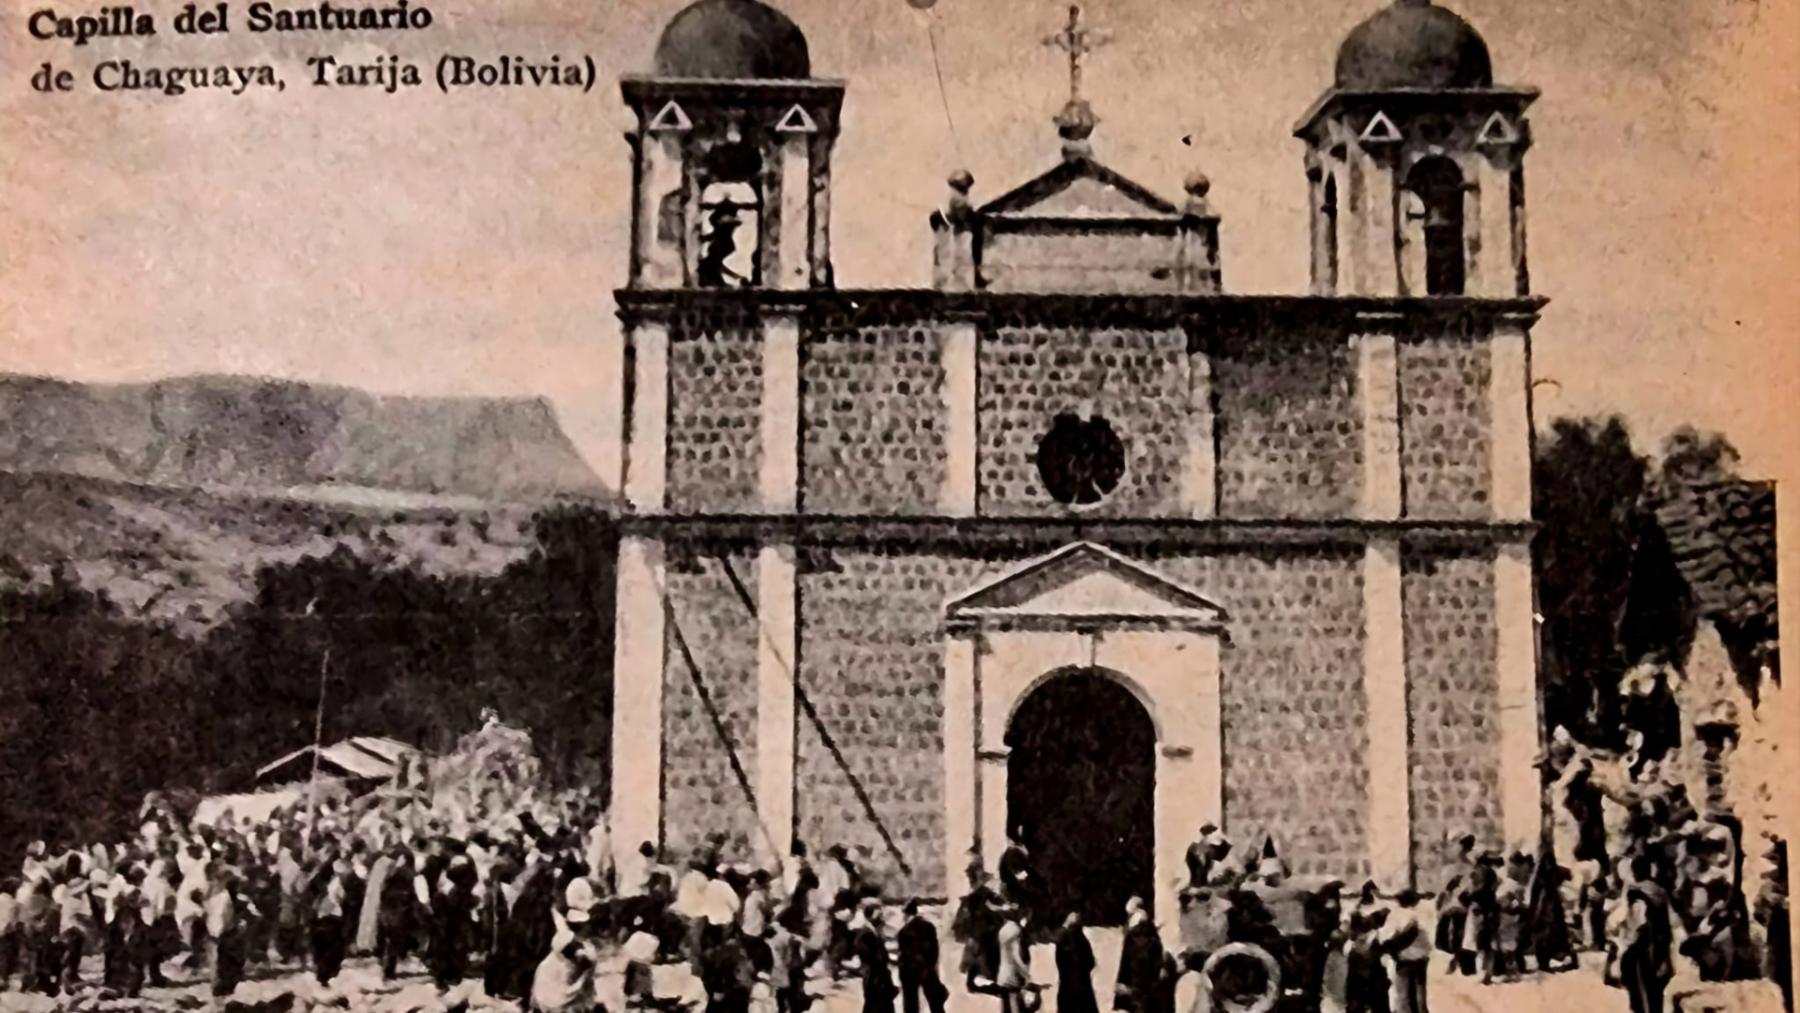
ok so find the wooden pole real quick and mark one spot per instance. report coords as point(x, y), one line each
point(312, 780)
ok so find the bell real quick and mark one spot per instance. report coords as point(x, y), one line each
point(1437, 216)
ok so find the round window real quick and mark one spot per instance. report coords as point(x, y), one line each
point(1080, 460)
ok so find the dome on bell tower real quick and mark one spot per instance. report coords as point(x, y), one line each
point(732, 39)
point(1413, 44)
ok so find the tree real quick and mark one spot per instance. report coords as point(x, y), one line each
point(1690, 458)
point(1587, 486)
point(1609, 584)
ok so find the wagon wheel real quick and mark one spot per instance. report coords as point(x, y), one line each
point(1242, 978)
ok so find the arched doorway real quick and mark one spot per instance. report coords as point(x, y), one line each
point(1080, 787)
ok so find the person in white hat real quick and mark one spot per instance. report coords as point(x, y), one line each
point(564, 981)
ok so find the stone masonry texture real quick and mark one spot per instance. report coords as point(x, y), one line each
point(1453, 700)
point(873, 404)
point(1288, 429)
point(1136, 378)
point(1296, 729)
point(872, 663)
point(715, 393)
point(1445, 429)
point(701, 792)
point(1296, 733)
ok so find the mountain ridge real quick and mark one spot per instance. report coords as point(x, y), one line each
point(172, 495)
point(222, 431)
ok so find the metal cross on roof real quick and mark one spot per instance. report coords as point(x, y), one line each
point(1077, 40)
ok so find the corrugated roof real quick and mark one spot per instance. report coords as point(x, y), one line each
point(365, 758)
point(1722, 535)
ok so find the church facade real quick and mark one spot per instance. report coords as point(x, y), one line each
point(1076, 544)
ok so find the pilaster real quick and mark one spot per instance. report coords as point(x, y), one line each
point(1378, 400)
point(1509, 407)
point(637, 727)
point(646, 458)
point(1389, 730)
point(960, 771)
point(957, 496)
point(793, 245)
point(1515, 618)
point(1493, 272)
point(993, 803)
point(1374, 240)
point(777, 654)
point(1200, 465)
point(779, 426)
point(660, 216)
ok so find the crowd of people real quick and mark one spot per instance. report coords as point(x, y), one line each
point(306, 886)
point(1634, 870)
point(494, 884)
point(526, 903)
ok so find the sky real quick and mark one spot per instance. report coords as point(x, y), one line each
point(468, 244)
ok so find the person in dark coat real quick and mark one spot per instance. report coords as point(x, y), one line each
point(918, 941)
point(496, 910)
point(128, 949)
point(330, 921)
point(1321, 912)
point(977, 927)
point(1074, 969)
point(1547, 921)
point(870, 950)
point(1366, 983)
point(525, 934)
point(396, 917)
point(1453, 911)
point(452, 924)
point(1481, 925)
point(1645, 965)
point(1140, 962)
point(229, 915)
point(725, 971)
point(1018, 878)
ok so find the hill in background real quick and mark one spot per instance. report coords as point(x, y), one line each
point(170, 497)
point(256, 435)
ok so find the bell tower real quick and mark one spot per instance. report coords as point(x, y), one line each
point(730, 229)
point(731, 156)
point(1415, 164)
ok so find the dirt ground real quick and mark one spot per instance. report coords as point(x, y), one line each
point(359, 987)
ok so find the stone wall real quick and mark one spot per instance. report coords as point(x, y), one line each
point(1135, 378)
point(872, 403)
point(1453, 698)
point(715, 393)
point(1289, 435)
point(872, 661)
point(1296, 730)
point(1445, 428)
point(701, 793)
point(1296, 735)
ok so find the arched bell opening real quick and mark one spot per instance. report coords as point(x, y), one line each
point(731, 217)
point(1438, 185)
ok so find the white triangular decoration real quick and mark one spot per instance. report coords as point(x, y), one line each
point(797, 122)
point(672, 117)
point(1498, 130)
point(1380, 130)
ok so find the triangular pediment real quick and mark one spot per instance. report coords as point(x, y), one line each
point(1085, 583)
point(1080, 188)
